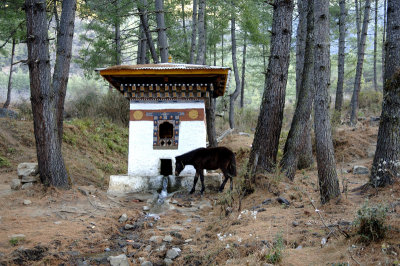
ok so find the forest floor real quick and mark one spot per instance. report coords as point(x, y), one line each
point(78, 228)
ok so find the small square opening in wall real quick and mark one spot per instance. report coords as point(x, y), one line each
point(166, 167)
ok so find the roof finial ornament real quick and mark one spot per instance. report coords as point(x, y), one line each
point(169, 59)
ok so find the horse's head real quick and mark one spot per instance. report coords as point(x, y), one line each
point(179, 166)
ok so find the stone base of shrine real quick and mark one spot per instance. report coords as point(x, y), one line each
point(121, 184)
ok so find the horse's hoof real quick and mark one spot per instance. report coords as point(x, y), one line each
point(191, 192)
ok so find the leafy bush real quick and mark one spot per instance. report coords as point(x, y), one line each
point(275, 253)
point(4, 162)
point(370, 221)
point(24, 109)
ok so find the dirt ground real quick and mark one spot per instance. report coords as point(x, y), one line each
point(72, 228)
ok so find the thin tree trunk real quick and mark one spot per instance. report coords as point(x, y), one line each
point(48, 98)
point(342, 39)
point(358, 20)
point(266, 140)
point(9, 86)
point(243, 71)
point(375, 44)
point(142, 49)
point(194, 34)
point(117, 43)
point(185, 40)
point(386, 165)
point(201, 50)
point(300, 42)
point(359, 67)
point(142, 8)
point(327, 176)
point(384, 38)
point(210, 120)
point(222, 49)
point(264, 58)
point(162, 31)
point(301, 118)
point(235, 94)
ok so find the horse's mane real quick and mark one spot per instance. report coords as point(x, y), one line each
point(188, 157)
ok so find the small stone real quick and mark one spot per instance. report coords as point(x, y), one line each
point(123, 218)
point(161, 248)
point(198, 229)
point(156, 239)
point(146, 208)
point(168, 238)
point(27, 202)
point(299, 247)
point(177, 228)
point(107, 249)
point(146, 263)
point(360, 170)
point(15, 184)
point(57, 222)
point(283, 201)
point(173, 253)
point(267, 201)
point(188, 240)
point(136, 245)
point(120, 260)
point(29, 179)
point(262, 210)
point(295, 223)
point(27, 169)
point(27, 186)
point(17, 236)
point(174, 202)
point(128, 226)
point(147, 248)
point(87, 190)
point(168, 261)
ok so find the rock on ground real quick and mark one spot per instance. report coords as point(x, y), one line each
point(360, 170)
point(123, 218)
point(27, 169)
point(173, 253)
point(120, 260)
point(15, 184)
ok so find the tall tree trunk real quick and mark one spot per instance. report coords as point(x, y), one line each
point(327, 176)
point(266, 140)
point(301, 118)
point(117, 43)
point(194, 34)
point(243, 70)
point(48, 97)
point(201, 50)
point(222, 49)
point(342, 39)
point(142, 8)
point(386, 165)
point(142, 49)
point(235, 94)
point(375, 44)
point(264, 58)
point(162, 31)
point(9, 86)
point(185, 40)
point(384, 38)
point(359, 67)
point(210, 120)
point(300, 42)
point(358, 20)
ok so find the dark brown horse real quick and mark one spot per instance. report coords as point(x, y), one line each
point(208, 159)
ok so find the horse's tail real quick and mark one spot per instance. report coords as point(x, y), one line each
point(232, 165)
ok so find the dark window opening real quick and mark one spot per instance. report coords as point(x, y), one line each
point(166, 167)
point(166, 130)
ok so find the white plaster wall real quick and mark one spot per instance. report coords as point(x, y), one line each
point(143, 160)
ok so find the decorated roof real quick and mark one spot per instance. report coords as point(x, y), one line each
point(168, 80)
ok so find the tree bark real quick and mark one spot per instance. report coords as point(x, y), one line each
point(235, 94)
point(266, 140)
point(9, 86)
point(185, 38)
point(48, 97)
point(301, 118)
point(384, 39)
point(243, 70)
point(210, 120)
point(375, 44)
point(327, 176)
point(194, 34)
point(360, 62)
point(117, 43)
point(142, 49)
point(201, 50)
point(358, 20)
point(300, 42)
point(342, 39)
point(162, 31)
point(142, 8)
point(222, 49)
point(386, 164)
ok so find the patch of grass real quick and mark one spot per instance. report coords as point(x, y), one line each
point(16, 241)
point(4, 162)
point(370, 222)
point(275, 253)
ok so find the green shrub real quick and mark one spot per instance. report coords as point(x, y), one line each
point(370, 222)
point(275, 253)
point(16, 240)
point(4, 162)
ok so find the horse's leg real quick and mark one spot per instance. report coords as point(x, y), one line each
point(221, 188)
point(196, 177)
point(202, 182)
